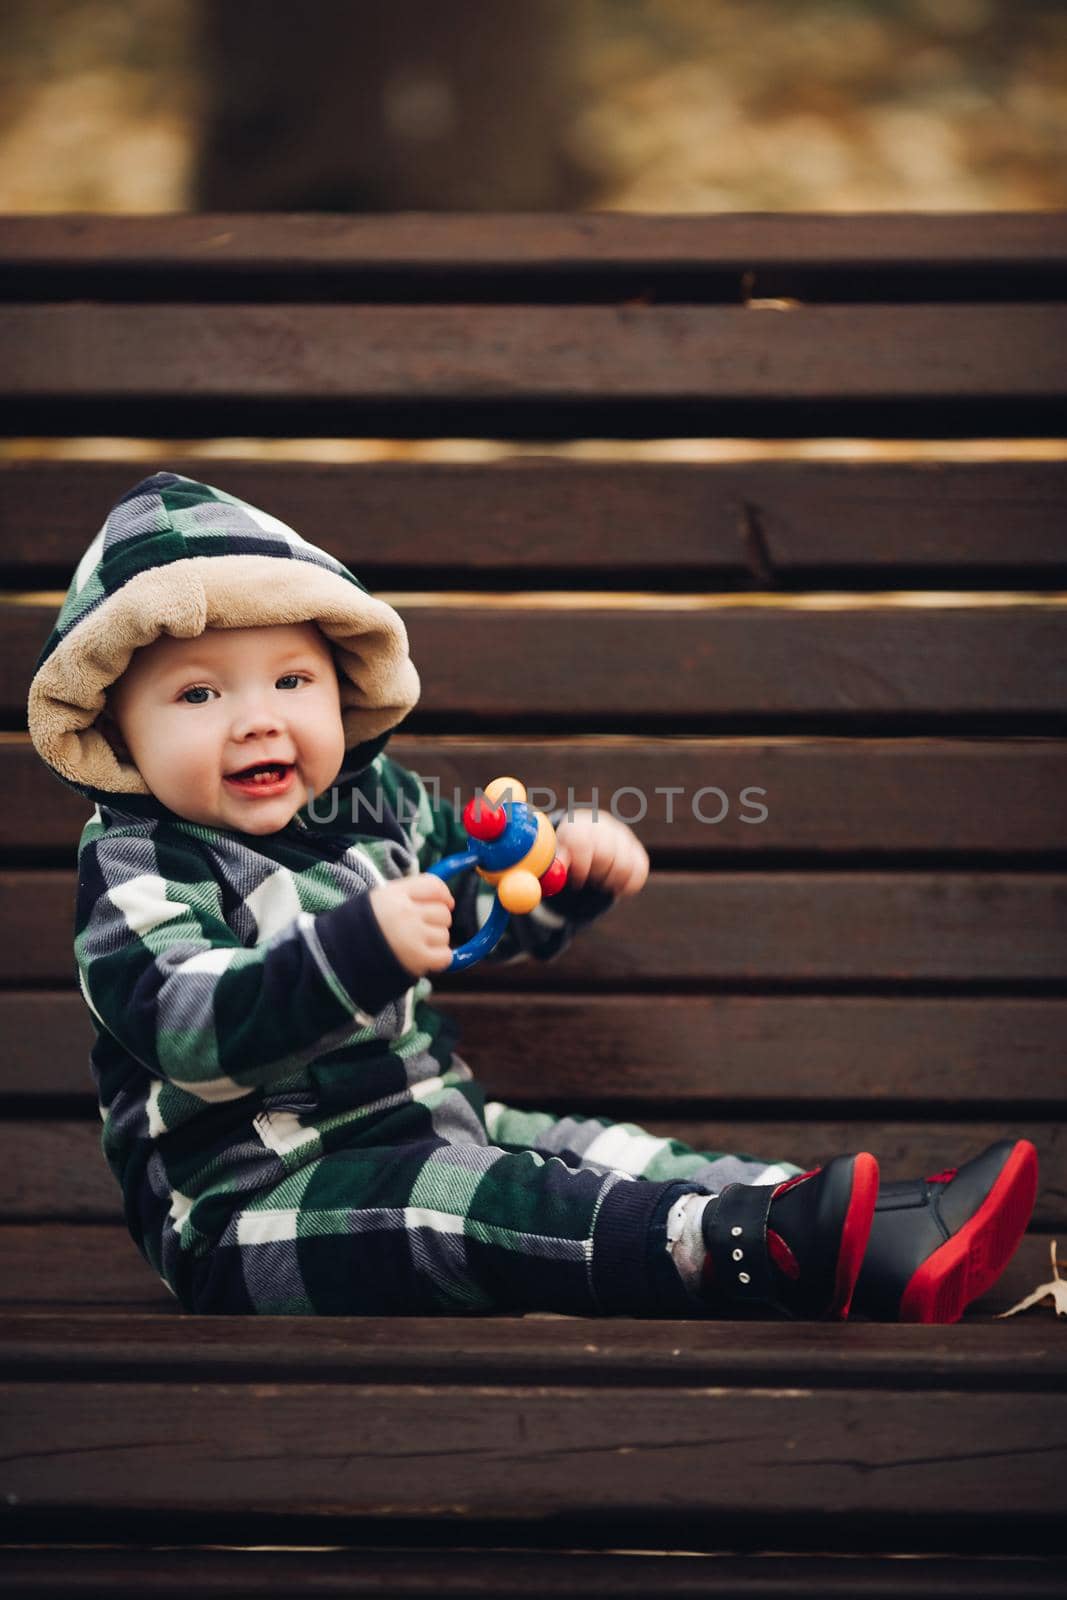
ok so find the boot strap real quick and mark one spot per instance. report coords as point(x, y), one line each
point(737, 1243)
point(903, 1194)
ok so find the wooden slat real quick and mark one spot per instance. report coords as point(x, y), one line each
point(736, 661)
point(764, 1049)
point(56, 1171)
point(377, 1574)
point(721, 1049)
point(651, 662)
point(768, 522)
point(96, 1264)
point(304, 244)
point(878, 796)
point(455, 1451)
point(90, 1264)
point(1015, 1354)
point(356, 353)
point(810, 927)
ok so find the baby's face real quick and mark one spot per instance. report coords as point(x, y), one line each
point(194, 712)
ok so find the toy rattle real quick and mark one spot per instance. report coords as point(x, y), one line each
point(513, 847)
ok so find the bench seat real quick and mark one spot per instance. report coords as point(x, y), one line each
point(611, 456)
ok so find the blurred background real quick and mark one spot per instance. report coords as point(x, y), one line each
point(529, 105)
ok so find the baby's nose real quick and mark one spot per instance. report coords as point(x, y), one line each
point(257, 722)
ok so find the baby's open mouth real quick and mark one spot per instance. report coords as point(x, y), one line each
point(261, 772)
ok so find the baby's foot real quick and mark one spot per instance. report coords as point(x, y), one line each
point(938, 1243)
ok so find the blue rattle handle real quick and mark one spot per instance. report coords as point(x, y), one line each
point(490, 933)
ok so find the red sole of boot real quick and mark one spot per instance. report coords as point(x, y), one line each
point(854, 1233)
point(969, 1263)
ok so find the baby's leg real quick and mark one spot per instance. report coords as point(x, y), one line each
point(437, 1228)
point(601, 1145)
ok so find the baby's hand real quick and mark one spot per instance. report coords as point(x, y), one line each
point(415, 915)
point(602, 852)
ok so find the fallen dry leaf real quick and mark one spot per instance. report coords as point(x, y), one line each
point(1056, 1291)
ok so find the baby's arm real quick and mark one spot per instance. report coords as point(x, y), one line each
point(165, 974)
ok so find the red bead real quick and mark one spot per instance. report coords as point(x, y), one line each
point(553, 878)
point(484, 820)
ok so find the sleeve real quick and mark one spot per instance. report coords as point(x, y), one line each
point(435, 831)
point(163, 972)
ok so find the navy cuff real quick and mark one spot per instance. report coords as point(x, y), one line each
point(361, 956)
point(580, 905)
point(633, 1274)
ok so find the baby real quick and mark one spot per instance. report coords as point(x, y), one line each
point(287, 1117)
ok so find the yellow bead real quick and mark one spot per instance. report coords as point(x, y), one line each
point(540, 853)
point(519, 891)
point(510, 790)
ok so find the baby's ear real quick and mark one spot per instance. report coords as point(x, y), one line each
point(107, 725)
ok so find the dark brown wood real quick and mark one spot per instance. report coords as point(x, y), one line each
point(1019, 1353)
point(614, 522)
point(247, 243)
point(762, 1050)
point(765, 1050)
point(450, 1450)
point(869, 795)
point(729, 927)
point(659, 660)
point(55, 1170)
point(821, 796)
point(97, 1265)
point(218, 1573)
point(356, 354)
point(49, 1264)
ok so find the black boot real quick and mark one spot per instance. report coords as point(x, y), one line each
point(806, 1264)
point(938, 1243)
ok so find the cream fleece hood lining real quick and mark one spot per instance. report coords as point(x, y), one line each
point(378, 681)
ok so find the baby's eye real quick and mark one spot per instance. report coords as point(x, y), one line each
point(199, 688)
point(293, 675)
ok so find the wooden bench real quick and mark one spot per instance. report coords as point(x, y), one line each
point(877, 645)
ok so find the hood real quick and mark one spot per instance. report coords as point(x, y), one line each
point(175, 556)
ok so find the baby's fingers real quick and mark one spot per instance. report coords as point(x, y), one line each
point(438, 957)
point(428, 886)
point(634, 874)
point(577, 857)
point(435, 915)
